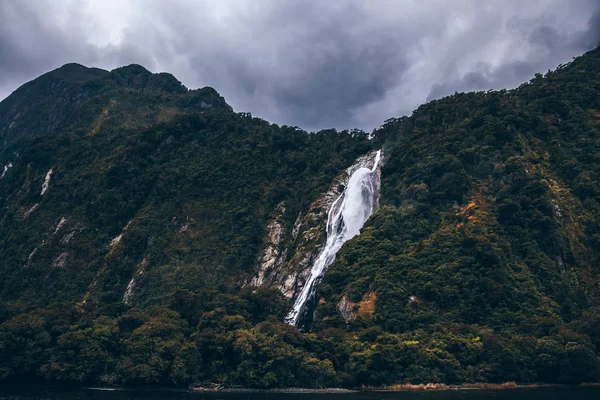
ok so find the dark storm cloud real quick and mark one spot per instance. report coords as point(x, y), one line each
point(310, 63)
point(484, 78)
point(591, 37)
point(332, 71)
point(547, 48)
point(303, 63)
point(27, 43)
point(32, 43)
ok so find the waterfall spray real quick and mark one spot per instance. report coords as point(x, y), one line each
point(345, 218)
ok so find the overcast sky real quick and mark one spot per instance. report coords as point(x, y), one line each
point(313, 63)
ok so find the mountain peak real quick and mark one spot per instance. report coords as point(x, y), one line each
point(136, 76)
point(131, 69)
point(76, 73)
point(48, 102)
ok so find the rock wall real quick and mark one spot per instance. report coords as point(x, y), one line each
point(307, 236)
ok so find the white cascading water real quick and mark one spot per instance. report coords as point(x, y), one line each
point(345, 218)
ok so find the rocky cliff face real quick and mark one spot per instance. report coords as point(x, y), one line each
point(287, 269)
point(96, 149)
point(272, 257)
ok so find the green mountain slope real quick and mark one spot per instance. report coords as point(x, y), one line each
point(489, 217)
point(206, 168)
point(133, 212)
point(490, 209)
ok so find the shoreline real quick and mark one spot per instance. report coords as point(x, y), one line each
point(216, 388)
point(429, 387)
point(286, 390)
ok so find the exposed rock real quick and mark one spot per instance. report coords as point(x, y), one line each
point(297, 226)
point(272, 257)
point(129, 291)
point(183, 223)
point(69, 236)
point(315, 222)
point(561, 263)
point(5, 169)
point(46, 183)
point(32, 209)
point(364, 308)
point(31, 255)
point(60, 261)
point(557, 210)
point(116, 240)
point(346, 309)
point(60, 223)
point(308, 233)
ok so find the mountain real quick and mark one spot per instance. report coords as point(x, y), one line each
point(152, 235)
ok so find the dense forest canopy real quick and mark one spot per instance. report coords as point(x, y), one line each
point(481, 264)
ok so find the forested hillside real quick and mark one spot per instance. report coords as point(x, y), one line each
point(133, 213)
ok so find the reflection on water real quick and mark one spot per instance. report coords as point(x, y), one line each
point(65, 393)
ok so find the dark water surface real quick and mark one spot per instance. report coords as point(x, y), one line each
point(44, 393)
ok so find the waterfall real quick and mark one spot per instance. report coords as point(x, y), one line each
point(346, 216)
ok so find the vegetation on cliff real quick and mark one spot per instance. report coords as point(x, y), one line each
point(482, 263)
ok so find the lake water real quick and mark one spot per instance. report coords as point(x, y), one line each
point(43, 393)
